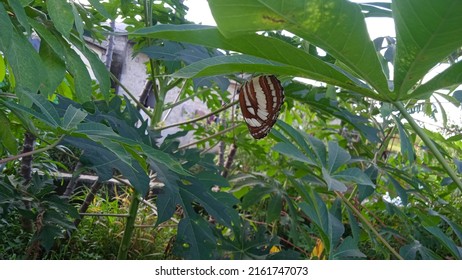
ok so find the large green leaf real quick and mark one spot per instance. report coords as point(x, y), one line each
point(55, 69)
point(73, 117)
point(21, 56)
point(103, 161)
point(337, 26)
point(82, 79)
point(97, 66)
point(259, 46)
point(409, 252)
point(62, 16)
point(337, 156)
point(20, 14)
point(100, 8)
point(445, 241)
point(43, 112)
point(195, 239)
point(452, 76)
point(427, 31)
point(291, 151)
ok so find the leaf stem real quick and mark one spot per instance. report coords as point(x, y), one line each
point(429, 144)
point(369, 225)
point(41, 150)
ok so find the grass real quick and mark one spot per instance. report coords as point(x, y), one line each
point(97, 237)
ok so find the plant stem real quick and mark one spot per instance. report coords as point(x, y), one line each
point(369, 225)
point(198, 92)
point(129, 227)
point(199, 118)
point(429, 144)
point(44, 149)
point(130, 94)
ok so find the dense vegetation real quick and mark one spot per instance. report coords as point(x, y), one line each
point(346, 173)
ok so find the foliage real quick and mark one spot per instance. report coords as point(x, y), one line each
point(347, 173)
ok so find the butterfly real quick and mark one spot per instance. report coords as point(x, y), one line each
point(260, 100)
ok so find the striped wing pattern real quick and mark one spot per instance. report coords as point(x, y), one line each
point(261, 99)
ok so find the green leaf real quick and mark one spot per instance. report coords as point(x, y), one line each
point(168, 197)
point(104, 160)
point(73, 117)
point(7, 138)
point(62, 16)
point(348, 38)
point(445, 241)
point(337, 156)
point(452, 76)
point(20, 14)
point(82, 79)
point(455, 227)
point(354, 175)
point(48, 117)
point(54, 67)
point(217, 204)
point(46, 108)
point(195, 239)
point(100, 8)
point(316, 210)
point(292, 152)
point(52, 39)
point(407, 149)
point(348, 249)
point(7, 29)
point(97, 66)
point(298, 138)
point(101, 133)
point(254, 196)
point(319, 149)
point(402, 193)
point(332, 183)
point(409, 252)
point(268, 48)
point(20, 55)
point(273, 211)
point(426, 32)
point(78, 21)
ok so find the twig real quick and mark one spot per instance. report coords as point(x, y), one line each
point(104, 215)
point(209, 137)
point(130, 94)
point(199, 118)
point(41, 150)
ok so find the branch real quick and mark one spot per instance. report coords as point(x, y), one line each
point(130, 94)
point(44, 149)
point(199, 118)
point(209, 137)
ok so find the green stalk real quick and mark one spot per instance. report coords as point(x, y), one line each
point(429, 144)
point(129, 227)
